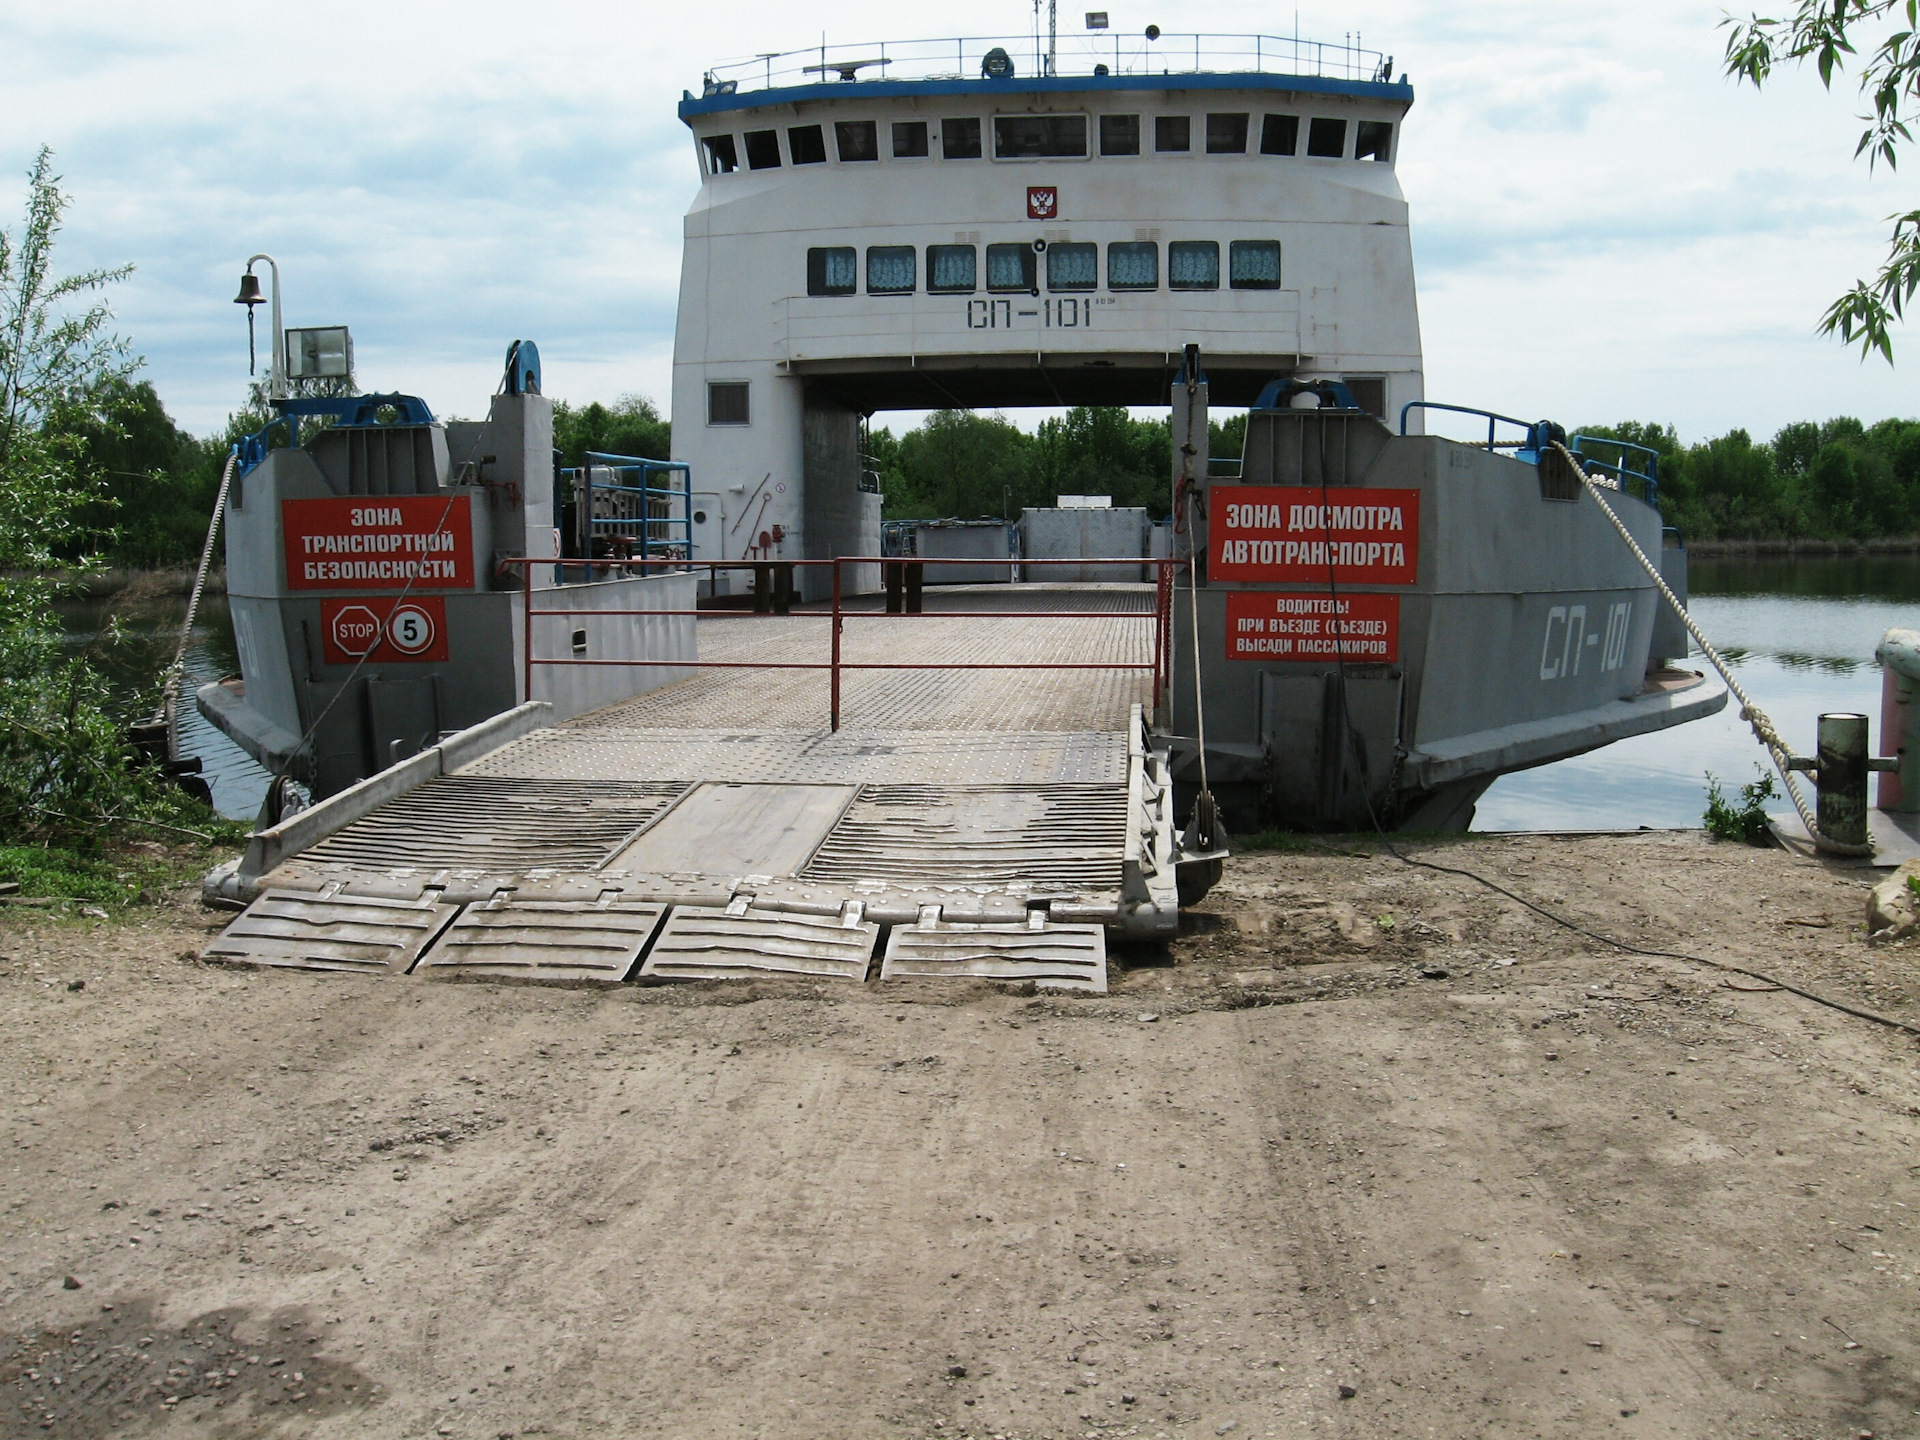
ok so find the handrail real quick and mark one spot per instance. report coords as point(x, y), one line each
point(1160, 664)
point(960, 57)
point(1492, 417)
point(1619, 469)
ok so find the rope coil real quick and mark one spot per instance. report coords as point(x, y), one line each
point(1763, 728)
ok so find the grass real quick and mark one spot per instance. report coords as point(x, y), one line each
point(111, 876)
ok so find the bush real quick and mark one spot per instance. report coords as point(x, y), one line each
point(1746, 822)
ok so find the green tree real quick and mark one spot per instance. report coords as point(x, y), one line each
point(957, 463)
point(629, 426)
point(65, 766)
point(1826, 32)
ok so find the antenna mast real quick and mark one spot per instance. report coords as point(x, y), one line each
point(1052, 34)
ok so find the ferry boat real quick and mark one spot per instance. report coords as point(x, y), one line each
point(546, 741)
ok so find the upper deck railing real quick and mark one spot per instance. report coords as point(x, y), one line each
point(1097, 52)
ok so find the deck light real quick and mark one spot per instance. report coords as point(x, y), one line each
point(1096, 19)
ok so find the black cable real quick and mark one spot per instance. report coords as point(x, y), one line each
point(1352, 741)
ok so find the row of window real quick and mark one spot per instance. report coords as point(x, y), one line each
point(1053, 137)
point(1132, 265)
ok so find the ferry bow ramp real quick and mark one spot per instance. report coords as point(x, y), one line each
point(988, 824)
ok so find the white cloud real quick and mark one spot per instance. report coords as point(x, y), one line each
point(1605, 225)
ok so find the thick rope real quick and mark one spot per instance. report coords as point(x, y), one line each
point(170, 685)
point(1763, 729)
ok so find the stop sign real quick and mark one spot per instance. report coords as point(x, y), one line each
point(355, 629)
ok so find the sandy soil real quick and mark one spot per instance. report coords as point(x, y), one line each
point(1370, 1151)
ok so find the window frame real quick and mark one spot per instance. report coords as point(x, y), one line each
point(1314, 124)
point(925, 151)
point(745, 391)
point(819, 135)
point(1383, 154)
point(1186, 145)
point(1086, 136)
point(1235, 247)
point(1152, 246)
point(843, 128)
point(719, 154)
point(1076, 247)
point(772, 138)
point(973, 286)
point(1030, 267)
point(1267, 123)
point(1105, 153)
point(1193, 246)
point(979, 137)
point(1245, 118)
point(913, 259)
point(817, 286)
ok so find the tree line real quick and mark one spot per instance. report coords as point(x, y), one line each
point(154, 484)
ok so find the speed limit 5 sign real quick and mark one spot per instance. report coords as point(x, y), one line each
point(383, 630)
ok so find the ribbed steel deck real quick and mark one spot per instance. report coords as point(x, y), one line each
point(1025, 804)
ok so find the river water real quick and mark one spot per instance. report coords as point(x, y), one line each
point(1800, 633)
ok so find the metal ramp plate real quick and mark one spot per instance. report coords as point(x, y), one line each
point(304, 930)
point(1064, 957)
point(708, 943)
point(544, 940)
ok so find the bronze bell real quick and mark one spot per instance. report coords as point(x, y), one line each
point(249, 291)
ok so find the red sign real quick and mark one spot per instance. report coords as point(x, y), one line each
point(1264, 626)
point(1043, 202)
point(378, 543)
point(1300, 532)
point(383, 630)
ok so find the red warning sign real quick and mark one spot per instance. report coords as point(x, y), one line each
point(383, 630)
point(387, 542)
point(1358, 536)
point(1262, 625)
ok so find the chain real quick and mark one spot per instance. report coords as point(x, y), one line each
point(1763, 728)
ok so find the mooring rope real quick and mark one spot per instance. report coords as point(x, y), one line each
point(1763, 729)
point(170, 679)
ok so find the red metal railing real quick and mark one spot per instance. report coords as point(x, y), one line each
point(838, 614)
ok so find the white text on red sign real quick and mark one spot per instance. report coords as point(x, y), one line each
point(1297, 532)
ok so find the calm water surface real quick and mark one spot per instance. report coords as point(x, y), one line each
point(147, 630)
point(1800, 635)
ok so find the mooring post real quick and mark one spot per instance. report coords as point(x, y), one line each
point(833, 703)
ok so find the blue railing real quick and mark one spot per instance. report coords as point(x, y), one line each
point(1539, 433)
point(642, 519)
point(1621, 470)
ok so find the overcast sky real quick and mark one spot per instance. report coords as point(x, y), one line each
point(1604, 227)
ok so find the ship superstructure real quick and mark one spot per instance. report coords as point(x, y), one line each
point(940, 224)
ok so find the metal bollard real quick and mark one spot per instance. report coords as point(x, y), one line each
point(1840, 779)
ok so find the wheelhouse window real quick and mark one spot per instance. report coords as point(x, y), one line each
point(909, 139)
point(1119, 134)
point(1226, 134)
point(1369, 392)
point(960, 139)
point(832, 270)
point(727, 402)
point(1010, 267)
point(1373, 140)
point(952, 269)
point(1193, 265)
point(1327, 138)
point(763, 149)
point(857, 139)
point(806, 145)
point(1173, 134)
point(1039, 137)
point(1254, 264)
point(1279, 134)
point(891, 270)
point(1073, 266)
point(1133, 265)
point(722, 158)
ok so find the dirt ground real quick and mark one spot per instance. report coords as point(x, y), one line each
point(1369, 1151)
